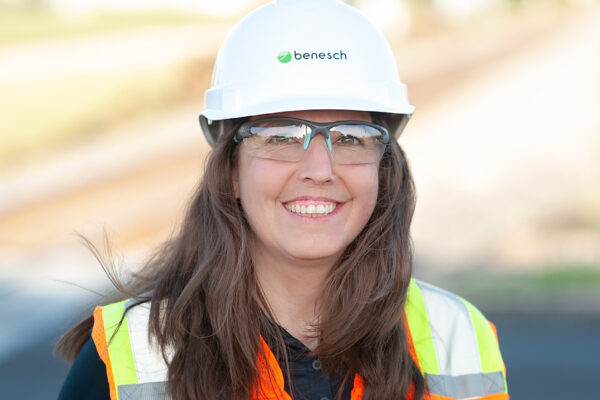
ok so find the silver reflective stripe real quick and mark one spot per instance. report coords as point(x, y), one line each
point(466, 386)
point(149, 363)
point(144, 391)
point(452, 332)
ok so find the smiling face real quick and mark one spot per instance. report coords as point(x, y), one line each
point(306, 210)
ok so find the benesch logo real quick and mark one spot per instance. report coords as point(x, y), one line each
point(285, 56)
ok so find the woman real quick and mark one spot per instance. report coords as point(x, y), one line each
point(291, 275)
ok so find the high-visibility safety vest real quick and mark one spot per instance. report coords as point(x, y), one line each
point(453, 344)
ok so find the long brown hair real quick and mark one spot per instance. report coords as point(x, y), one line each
point(204, 276)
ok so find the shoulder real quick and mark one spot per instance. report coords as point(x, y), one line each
point(121, 325)
point(455, 345)
point(130, 315)
point(444, 309)
point(121, 335)
point(118, 325)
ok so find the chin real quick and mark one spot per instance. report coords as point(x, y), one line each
point(314, 254)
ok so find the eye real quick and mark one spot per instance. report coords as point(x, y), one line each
point(279, 139)
point(349, 140)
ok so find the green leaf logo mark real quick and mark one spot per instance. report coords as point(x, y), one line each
point(284, 56)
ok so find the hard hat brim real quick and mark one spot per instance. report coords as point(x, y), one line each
point(249, 100)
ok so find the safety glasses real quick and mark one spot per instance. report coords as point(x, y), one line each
point(287, 139)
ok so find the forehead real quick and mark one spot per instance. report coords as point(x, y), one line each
point(322, 115)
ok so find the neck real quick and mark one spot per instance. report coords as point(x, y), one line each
point(292, 290)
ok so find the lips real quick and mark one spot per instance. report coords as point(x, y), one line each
point(311, 208)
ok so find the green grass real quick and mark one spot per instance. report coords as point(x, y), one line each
point(18, 24)
point(563, 275)
point(41, 113)
point(545, 284)
point(47, 114)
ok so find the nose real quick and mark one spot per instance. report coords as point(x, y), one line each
point(317, 165)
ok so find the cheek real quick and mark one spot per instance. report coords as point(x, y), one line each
point(249, 177)
point(261, 182)
point(366, 186)
point(363, 183)
point(369, 203)
point(249, 189)
point(252, 182)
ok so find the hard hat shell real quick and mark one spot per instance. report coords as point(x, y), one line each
point(293, 55)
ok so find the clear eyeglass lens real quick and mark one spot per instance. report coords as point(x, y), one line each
point(275, 140)
point(284, 141)
point(356, 144)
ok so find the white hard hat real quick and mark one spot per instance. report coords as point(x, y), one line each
point(304, 55)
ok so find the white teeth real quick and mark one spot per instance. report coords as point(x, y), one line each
point(311, 210)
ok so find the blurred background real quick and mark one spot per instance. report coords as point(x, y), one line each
point(99, 136)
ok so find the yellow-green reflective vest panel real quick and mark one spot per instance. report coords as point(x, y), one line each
point(455, 345)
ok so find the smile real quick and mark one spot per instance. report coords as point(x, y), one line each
point(311, 209)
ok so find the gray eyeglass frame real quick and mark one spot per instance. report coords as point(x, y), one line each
point(316, 128)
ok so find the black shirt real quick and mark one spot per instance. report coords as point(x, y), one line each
point(87, 378)
point(310, 382)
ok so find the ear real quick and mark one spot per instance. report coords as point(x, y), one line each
point(235, 180)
